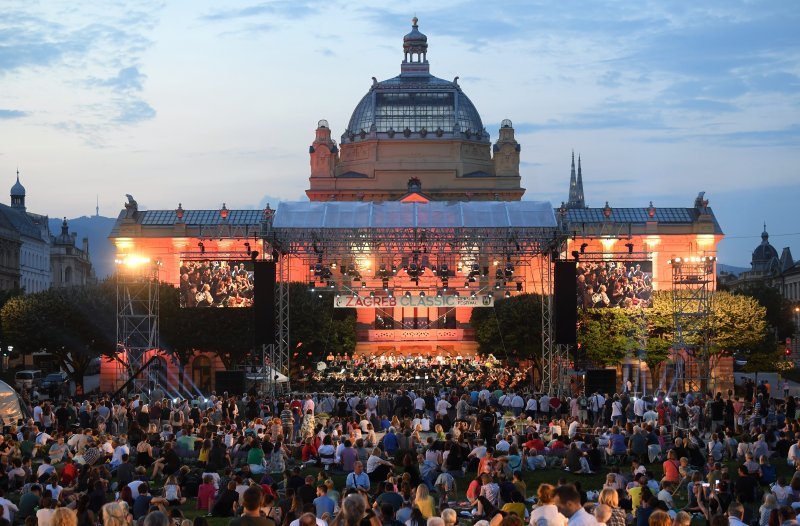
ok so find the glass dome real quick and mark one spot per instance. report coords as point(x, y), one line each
point(421, 105)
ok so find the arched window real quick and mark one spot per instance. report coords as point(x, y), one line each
point(201, 373)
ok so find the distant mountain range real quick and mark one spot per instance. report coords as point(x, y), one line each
point(96, 229)
point(722, 267)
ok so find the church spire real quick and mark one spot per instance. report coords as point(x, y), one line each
point(580, 184)
point(575, 186)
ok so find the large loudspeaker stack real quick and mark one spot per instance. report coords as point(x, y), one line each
point(565, 292)
point(232, 382)
point(264, 303)
point(603, 381)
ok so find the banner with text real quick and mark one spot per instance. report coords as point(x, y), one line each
point(383, 302)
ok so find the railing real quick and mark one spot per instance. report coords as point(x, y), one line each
point(415, 335)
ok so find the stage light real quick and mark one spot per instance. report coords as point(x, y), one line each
point(363, 284)
point(495, 263)
point(385, 284)
point(474, 294)
point(466, 284)
point(422, 294)
point(333, 265)
point(630, 247)
point(408, 294)
point(355, 294)
point(202, 247)
point(444, 269)
point(507, 294)
point(372, 294)
point(583, 247)
point(439, 294)
point(498, 273)
point(497, 284)
point(331, 284)
point(471, 279)
point(394, 268)
point(389, 294)
point(312, 285)
point(247, 247)
point(509, 269)
point(132, 261)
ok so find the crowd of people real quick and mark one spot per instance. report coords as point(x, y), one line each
point(380, 372)
point(210, 283)
point(606, 284)
point(424, 457)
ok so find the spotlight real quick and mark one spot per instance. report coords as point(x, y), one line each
point(474, 294)
point(385, 283)
point(372, 294)
point(408, 294)
point(312, 285)
point(422, 294)
point(439, 294)
point(507, 294)
point(466, 284)
point(497, 284)
point(331, 284)
point(583, 247)
point(333, 265)
point(389, 294)
point(363, 284)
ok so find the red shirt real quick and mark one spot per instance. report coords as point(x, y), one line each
point(205, 496)
point(309, 451)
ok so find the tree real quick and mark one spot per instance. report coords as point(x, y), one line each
point(779, 313)
point(74, 325)
point(316, 328)
point(607, 336)
point(513, 328)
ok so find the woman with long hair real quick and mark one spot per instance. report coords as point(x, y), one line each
point(610, 498)
point(115, 514)
point(424, 502)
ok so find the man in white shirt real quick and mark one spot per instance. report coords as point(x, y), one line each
point(793, 458)
point(308, 404)
point(121, 449)
point(531, 407)
point(442, 406)
point(544, 406)
point(517, 404)
point(736, 514)
point(419, 405)
point(568, 501)
point(9, 508)
point(639, 408)
point(37, 413)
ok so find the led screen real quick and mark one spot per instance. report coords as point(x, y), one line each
point(212, 283)
point(615, 284)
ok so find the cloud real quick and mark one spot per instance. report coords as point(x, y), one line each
point(12, 114)
point(275, 9)
point(127, 79)
point(134, 111)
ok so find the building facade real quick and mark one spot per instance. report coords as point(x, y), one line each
point(70, 265)
point(418, 139)
point(34, 237)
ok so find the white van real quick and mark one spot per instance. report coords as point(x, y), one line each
point(28, 378)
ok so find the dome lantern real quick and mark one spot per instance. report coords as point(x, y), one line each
point(18, 194)
point(415, 52)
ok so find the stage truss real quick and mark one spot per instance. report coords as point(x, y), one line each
point(692, 288)
point(137, 317)
point(374, 260)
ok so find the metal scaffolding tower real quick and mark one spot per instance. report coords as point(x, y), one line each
point(692, 287)
point(279, 352)
point(137, 317)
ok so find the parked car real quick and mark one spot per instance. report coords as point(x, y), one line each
point(54, 380)
point(28, 379)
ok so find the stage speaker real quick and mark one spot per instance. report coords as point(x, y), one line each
point(603, 381)
point(231, 381)
point(565, 303)
point(264, 303)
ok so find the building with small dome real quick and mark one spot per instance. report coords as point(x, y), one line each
point(770, 268)
point(34, 237)
point(415, 125)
